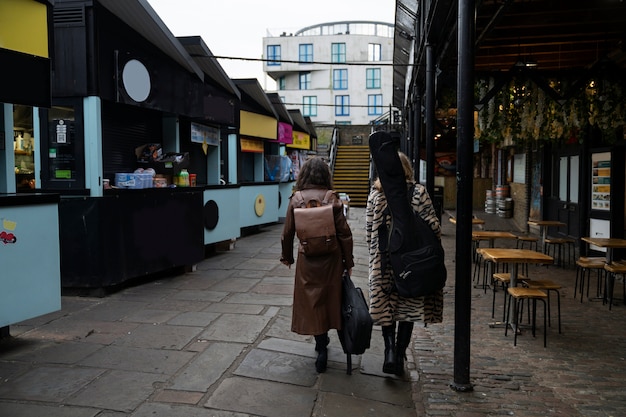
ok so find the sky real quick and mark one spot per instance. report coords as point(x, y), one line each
point(236, 28)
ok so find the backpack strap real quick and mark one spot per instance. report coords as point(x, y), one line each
point(299, 199)
point(329, 194)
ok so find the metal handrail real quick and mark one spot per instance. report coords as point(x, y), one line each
point(333, 149)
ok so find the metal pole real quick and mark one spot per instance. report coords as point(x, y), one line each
point(464, 175)
point(417, 131)
point(430, 119)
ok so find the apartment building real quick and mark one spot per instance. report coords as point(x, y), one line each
point(335, 73)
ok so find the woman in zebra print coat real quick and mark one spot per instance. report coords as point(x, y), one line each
point(386, 306)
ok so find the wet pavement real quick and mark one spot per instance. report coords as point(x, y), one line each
point(217, 342)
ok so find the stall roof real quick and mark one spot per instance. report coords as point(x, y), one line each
point(549, 35)
point(253, 91)
point(139, 15)
point(281, 110)
point(205, 59)
point(298, 121)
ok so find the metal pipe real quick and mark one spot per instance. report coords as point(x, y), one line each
point(464, 177)
point(430, 119)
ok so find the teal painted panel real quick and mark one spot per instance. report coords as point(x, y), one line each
point(258, 204)
point(285, 189)
point(227, 227)
point(29, 258)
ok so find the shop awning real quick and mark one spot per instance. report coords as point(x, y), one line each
point(141, 17)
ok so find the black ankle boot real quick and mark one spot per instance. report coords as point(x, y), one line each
point(405, 329)
point(321, 347)
point(389, 336)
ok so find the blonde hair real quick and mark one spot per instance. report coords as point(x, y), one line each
point(409, 175)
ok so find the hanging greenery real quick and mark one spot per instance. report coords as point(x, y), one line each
point(522, 112)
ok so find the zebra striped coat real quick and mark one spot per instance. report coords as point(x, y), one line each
point(386, 306)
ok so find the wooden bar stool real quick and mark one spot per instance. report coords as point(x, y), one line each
point(519, 294)
point(613, 269)
point(501, 280)
point(548, 286)
point(526, 240)
point(584, 266)
point(557, 247)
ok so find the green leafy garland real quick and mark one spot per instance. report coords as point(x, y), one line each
point(522, 112)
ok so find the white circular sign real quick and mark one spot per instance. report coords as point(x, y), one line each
point(136, 80)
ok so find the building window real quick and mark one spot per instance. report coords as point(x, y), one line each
point(273, 55)
point(306, 52)
point(340, 79)
point(374, 104)
point(281, 83)
point(305, 80)
point(342, 105)
point(309, 106)
point(373, 52)
point(338, 52)
point(372, 78)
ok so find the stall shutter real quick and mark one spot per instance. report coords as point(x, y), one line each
point(124, 128)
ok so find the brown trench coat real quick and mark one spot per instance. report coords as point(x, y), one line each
point(317, 289)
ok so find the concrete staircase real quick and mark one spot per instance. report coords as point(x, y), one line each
point(351, 173)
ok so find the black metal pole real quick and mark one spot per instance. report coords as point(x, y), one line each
point(430, 120)
point(464, 176)
point(417, 132)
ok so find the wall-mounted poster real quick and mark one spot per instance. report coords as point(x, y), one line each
point(601, 181)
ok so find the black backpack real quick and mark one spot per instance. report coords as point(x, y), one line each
point(414, 250)
point(356, 322)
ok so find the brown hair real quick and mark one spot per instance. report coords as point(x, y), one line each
point(314, 173)
point(409, 176)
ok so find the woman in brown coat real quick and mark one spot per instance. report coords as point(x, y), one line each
point(317, 290)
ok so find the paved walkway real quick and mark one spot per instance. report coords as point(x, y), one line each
point(217, 342)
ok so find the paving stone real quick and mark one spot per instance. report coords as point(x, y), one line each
point(196, 295)
point(169, 410)
point(337, 405)
point(386, 390)
point(240, 328)
point(157, 361)
point(265, 299)
point(193, 318)
point(235, 285)
point(225, 307)
point(48, 383)
point(278, 367)
point(180, 397)
point(204, 370)
point(263, 398)
point(36, 410)
point(150, 316)
point(117, 390)
point(161, 336)
point(52, 352)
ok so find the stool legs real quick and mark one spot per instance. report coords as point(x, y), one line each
point(518, 304)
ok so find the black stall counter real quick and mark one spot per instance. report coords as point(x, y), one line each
point(127, 234)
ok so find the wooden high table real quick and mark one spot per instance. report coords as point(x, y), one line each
point(491, 236)
point(515, 257)
point(475, 220)
point(543, 227)
point(608, 243)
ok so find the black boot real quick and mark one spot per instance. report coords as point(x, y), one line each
point(405, 329)
point(389, 336)
point(321, 347)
